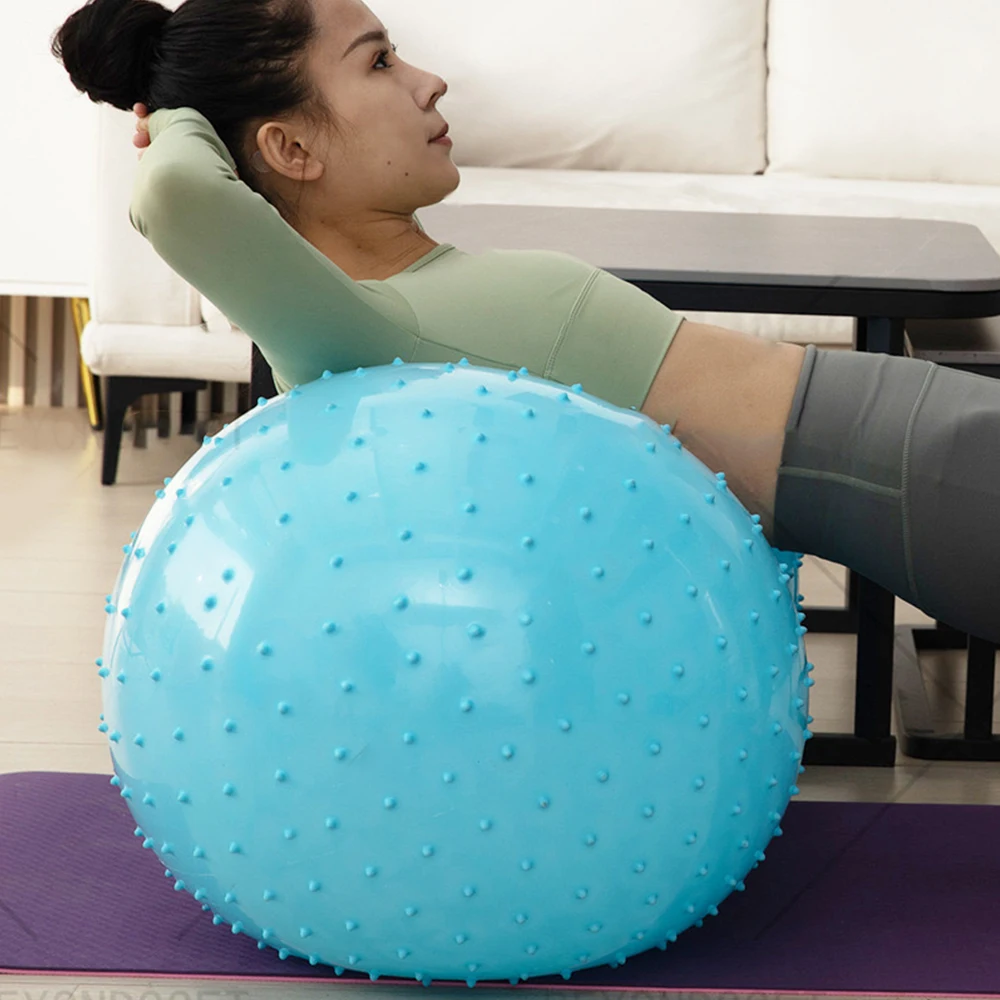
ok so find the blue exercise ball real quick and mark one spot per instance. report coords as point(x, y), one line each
point(445, 672)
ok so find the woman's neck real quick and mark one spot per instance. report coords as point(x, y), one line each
point(365, 260)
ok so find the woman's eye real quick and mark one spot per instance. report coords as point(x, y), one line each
point(382, 56)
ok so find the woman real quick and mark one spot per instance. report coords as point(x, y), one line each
point(283, 170)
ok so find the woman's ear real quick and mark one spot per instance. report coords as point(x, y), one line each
point(280, 152)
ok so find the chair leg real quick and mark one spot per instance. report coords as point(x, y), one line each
point(189, 408)
point(139, 408)
point(115, 406)
point(122, 391)
point(163, 415)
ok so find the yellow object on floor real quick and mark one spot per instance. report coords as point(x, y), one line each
point(81, 317)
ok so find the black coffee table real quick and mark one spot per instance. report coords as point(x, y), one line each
point(880, 271)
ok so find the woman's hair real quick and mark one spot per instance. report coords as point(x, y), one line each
point(239, 62)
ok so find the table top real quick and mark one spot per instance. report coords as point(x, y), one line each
point(734, 246)
point(790, 252)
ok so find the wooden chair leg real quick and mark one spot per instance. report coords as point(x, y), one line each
point(189, 411)
point(122, 392)
point(163, 415)
point(117, 402)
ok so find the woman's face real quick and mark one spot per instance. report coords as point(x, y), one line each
point(387, 111)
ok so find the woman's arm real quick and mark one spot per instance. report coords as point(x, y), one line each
point(231, 244)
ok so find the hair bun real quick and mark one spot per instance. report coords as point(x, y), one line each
point(108, 47)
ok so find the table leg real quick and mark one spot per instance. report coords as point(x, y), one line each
point(872, 743)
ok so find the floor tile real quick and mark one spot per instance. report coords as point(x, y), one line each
point(858, 784)
point(965, 783)
point(82, 758)
point(43, 718)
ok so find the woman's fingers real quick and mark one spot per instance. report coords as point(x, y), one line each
point(140, 138)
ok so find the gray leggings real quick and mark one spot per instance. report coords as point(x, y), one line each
point(891, 467)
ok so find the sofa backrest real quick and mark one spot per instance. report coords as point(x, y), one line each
point(903, 90)
point(644, 85)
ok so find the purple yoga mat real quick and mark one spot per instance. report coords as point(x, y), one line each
point(854, 898)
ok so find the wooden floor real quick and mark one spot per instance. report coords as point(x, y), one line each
point(61, 537)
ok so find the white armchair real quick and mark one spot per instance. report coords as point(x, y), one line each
point(148, 332)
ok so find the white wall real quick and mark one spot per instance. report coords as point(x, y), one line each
point(47, 157)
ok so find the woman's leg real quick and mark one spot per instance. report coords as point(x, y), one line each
point(891, 466)
point(887, 465)
point(727, 396)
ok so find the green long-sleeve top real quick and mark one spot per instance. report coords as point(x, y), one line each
point(557, 316)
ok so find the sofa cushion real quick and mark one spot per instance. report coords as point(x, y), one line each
point(667, 85)
point(902, 90)
point(165, 351)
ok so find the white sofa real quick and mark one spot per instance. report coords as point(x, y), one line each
point(823, 107)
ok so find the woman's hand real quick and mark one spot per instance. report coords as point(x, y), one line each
point(141, 138)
